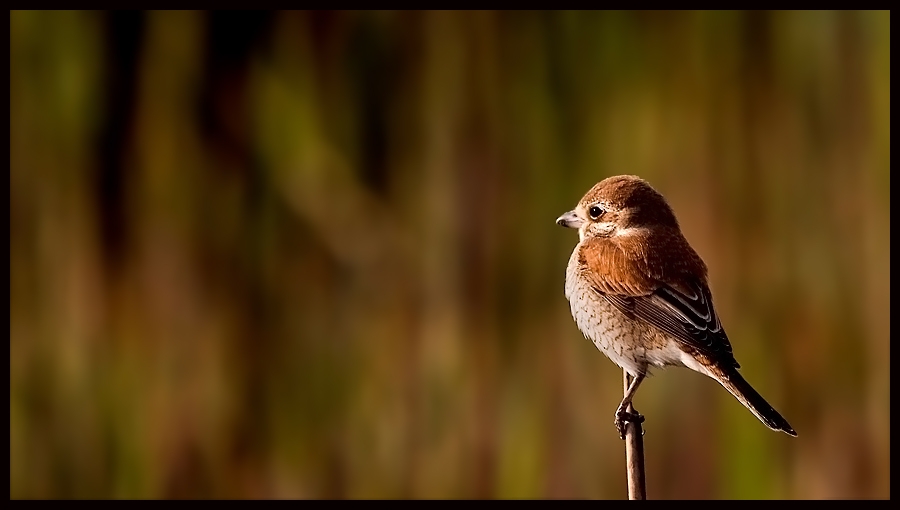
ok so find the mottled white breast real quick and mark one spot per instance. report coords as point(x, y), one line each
point(632, 345)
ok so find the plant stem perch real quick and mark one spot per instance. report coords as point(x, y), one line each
point(634, 452)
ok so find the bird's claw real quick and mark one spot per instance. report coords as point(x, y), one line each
point(623, 416)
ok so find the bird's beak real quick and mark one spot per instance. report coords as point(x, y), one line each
point(569, 220)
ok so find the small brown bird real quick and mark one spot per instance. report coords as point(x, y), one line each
point(640, 292)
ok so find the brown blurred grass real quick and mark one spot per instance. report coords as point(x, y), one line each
point(313, 255)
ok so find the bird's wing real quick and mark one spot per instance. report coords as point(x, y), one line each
point(674, 301)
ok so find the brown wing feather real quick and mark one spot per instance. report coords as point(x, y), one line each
point(657, 277)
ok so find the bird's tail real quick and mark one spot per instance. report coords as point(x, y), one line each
point(735, 383)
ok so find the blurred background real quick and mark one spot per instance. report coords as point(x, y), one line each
point(313, 254)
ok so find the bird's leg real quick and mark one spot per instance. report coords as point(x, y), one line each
point(622, 413)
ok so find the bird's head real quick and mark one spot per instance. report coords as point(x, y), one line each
point(617, 205)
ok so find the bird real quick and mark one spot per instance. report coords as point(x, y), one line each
point(640, 293)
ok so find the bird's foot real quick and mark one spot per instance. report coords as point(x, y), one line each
point(622, 415)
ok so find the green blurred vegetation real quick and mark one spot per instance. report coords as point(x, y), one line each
point(293, 254)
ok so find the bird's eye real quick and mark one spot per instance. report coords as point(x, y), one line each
point(595, 211)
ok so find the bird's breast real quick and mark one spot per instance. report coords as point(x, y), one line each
point(626, 341)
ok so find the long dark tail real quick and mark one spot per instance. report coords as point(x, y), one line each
point(735, 383)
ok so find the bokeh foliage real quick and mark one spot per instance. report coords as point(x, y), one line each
point(313, 254)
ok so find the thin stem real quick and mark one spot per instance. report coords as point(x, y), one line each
point(634, 452)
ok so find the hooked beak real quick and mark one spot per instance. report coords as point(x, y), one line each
point(569, 220)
